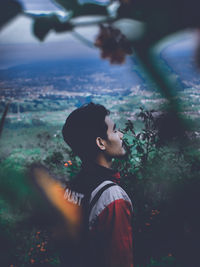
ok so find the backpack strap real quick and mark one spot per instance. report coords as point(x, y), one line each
point(98, 194)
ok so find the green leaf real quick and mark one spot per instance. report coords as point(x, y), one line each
point(8, 10)
point(44, 24)
point(139, 149)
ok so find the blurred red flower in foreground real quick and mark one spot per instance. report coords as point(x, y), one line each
point(113, 44)
point(32, 261)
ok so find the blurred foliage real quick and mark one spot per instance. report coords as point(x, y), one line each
point(43, 25)
point(55, 158)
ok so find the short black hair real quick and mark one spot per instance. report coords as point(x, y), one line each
point(83, 126)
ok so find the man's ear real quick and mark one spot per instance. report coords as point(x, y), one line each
point(100, 143)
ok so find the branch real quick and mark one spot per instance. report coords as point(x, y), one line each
point(83, 39)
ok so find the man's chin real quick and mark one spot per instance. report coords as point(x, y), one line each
point(122, 154)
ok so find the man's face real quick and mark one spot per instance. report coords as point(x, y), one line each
point(113, 144)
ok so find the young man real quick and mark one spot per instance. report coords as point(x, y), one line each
point(93, 136)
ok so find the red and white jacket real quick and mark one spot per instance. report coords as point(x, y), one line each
point(110, 218)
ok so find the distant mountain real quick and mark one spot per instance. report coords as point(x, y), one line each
point(62, 67)
point(73, 75)
point(98, 76)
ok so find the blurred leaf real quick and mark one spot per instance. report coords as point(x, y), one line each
point(63, 27)
point(91, 9)
point(156, 14)
point(113, 44)
point(82, 9)
point(8, 10)
point(44, 24)
point(68, 4)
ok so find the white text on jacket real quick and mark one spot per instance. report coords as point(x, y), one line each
point(73, 196)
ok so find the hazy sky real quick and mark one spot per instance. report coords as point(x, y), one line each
point(19, 46)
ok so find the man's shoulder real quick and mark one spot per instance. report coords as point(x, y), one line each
point(112, 194)
point(114, 197)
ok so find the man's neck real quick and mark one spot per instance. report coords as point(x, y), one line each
point(102, 161)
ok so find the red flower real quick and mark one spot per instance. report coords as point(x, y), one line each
point(32, 261)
